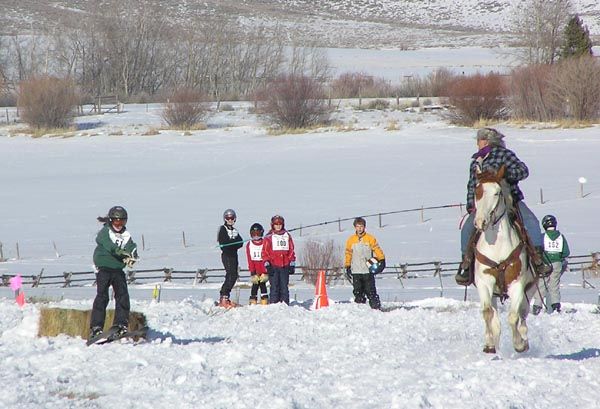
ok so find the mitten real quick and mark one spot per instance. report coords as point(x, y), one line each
point(263, 278)
point(269, 268)
point(254, 278)
point(129, 261)
point(381, 266)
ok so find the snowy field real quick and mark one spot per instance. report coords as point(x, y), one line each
point(425, 353)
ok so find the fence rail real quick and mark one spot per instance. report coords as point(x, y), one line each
point(588, 265)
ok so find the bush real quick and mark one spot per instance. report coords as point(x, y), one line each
point(477, 97)
point(529, 93)
point(321, 256)
point(575, 88)
point(47, 102)
point(295, 101)
point(380, 104)
point(358, 84)
point(185, 109)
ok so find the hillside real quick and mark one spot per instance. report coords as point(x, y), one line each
point(328, 23)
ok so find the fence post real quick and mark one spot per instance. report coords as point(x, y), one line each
point(143, 243)
point(18, 253)
point(68, 276)
point(183, 236)
point(422, 214)
point(400, 273)
point(168, 274)
point(339, 225)
point(380, 226)
point(37, 279)
point(1, 253)
point(438, 272)
point(55, 249)
point(200, 276)
point(541, 196)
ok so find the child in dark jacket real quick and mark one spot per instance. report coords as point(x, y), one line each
point(279, 260)
point(114, 251)
point(258, 272)
point(230, 242)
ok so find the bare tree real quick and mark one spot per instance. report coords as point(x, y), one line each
point(540, 25)
point(321, 256)
point(529, 93)
point(575, 87)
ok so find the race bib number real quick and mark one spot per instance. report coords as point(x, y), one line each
point(120, 239)
point(553, 246)
point(255, 252)
point(281, 241)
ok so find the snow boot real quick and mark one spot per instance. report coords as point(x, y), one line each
point(463, 274)
point(555, 307)
point(264, 300)
point(95, 332)
point(225, 302)
point(536, 309)
point(253, 301)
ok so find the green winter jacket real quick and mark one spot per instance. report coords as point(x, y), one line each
point(555, 246)
point(112, 248)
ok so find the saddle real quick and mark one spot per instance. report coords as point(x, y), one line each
point(507, 270)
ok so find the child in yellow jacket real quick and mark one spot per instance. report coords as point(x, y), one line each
point(364, 258)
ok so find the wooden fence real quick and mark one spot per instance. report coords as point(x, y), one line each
point(588, 265)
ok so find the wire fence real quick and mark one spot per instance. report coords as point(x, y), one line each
point(588, 265)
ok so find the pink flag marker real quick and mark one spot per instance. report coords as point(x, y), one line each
point(16, 283)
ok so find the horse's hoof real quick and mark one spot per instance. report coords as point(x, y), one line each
point(489, 350)
point(524, 348)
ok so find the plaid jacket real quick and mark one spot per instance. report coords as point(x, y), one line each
point(498, 156)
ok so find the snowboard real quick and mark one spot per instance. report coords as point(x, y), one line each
point(111, 335)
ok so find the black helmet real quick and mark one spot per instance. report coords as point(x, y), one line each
point(549, 221)
point(276, 220)
point(117, 212)
point(229, 214)
point(256, 230)
point(359, 220)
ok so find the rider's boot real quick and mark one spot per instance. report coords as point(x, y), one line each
point(463, 275)
point(541, 265)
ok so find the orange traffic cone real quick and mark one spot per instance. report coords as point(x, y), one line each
point(321, 299)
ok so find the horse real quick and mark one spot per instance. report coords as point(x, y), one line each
point(501, 266)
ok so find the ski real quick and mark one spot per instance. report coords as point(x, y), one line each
point(111, 335)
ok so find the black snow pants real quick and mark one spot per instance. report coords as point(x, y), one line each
point(230, 263)
point(105, 278)
point(364, 287)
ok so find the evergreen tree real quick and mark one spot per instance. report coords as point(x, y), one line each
point(576, 39)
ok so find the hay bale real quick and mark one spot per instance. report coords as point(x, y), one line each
point(76, 323)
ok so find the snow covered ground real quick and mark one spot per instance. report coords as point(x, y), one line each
point(424, 353)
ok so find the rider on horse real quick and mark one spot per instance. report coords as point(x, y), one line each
point(492, 155)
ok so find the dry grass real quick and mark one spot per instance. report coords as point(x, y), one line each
point(40, 132)
point(76, 323)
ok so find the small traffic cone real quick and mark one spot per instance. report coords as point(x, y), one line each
point(321, 299)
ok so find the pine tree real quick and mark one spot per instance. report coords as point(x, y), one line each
point(576, 40)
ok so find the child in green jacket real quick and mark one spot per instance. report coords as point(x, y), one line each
point(114, 251)
point(556, 250)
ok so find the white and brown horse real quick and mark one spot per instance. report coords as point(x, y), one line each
point(501, 266)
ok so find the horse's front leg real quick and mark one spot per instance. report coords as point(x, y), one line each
point(485, 287)
point(517, 317)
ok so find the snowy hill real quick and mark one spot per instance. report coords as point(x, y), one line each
point(328, 23)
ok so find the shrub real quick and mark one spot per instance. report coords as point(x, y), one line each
point(321, 256)
point(378, 104)
point(185, 109)
point(477, 97)
point(295, 101)
point(529, 93)
point(47, 102)
point(358, 84)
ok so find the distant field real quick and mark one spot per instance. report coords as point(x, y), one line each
point(404, 24)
